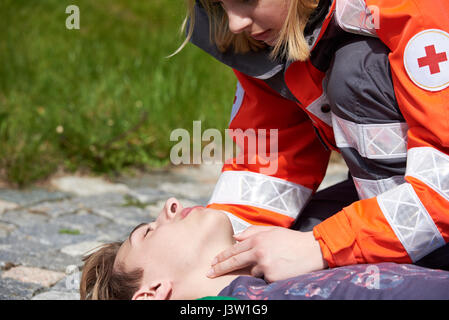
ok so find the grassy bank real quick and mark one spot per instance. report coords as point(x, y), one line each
point(104, 97)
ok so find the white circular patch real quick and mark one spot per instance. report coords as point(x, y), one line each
point(426, 59)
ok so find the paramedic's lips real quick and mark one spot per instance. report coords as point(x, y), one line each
point(186, 211)
point(262, 36)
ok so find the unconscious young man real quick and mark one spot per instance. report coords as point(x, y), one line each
point(170, 259)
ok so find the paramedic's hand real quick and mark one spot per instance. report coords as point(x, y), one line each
point(275, 253)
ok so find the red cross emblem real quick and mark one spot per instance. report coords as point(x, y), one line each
point(432, 59)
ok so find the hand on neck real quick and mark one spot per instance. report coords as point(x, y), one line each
point(195, 284)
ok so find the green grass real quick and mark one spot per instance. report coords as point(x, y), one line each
point(131, 202)
point(103, 98)
point(73, 232)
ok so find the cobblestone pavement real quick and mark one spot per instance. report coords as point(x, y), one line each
point(45, 231)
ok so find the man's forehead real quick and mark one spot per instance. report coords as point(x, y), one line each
point(137, 227)
point(126, 246)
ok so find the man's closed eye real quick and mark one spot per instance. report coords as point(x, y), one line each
point(146, 232)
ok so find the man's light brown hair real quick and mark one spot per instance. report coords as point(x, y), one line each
point(291, 44)
point(101, 281)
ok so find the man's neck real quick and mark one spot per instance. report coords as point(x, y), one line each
point(226, 280)
point(203, 286)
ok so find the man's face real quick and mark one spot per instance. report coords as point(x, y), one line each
point(260, 19)
point(177, 241)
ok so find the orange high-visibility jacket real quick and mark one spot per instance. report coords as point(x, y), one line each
point(375, 89)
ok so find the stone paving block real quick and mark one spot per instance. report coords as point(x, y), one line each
point(57, 295)
point(153, 178)
point(99, 201)
point(71, 206)
point(55, 208)
point(51, 235)
point(11, 289)
point(190, 190)
point(45, 278)
point(147, 195)
point(6, 229)
point(80, 249)
point(31, 196)
point(70, 283)
point(84, 221)
point(87, 186)
point(190, 202)
point(23, 217)
point(204, 174)
point(5, 205)
point(56, 260)
point(115, 232)
point(53, 260)
point(203, 201)
point(125, 215)
point(20, 250)
point(155, 208)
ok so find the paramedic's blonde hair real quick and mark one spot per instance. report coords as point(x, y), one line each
point(290, 45)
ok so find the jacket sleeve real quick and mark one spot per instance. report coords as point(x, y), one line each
point(410, 221)
point(280, 163)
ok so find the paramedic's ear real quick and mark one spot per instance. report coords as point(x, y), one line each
point(159, 290)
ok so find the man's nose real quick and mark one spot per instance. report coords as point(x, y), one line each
point(171, 208)
point(238, 23)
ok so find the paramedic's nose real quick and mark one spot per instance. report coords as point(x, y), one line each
point(238, 23)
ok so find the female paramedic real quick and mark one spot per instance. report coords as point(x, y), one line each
point(366, 78)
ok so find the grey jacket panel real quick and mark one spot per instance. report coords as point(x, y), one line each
point(360, 87)
point(372, 169)
point(360, 90)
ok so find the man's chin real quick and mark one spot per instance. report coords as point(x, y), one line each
point(211, 219)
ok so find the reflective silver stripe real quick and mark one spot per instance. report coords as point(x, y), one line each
point(238, 225)
point(372, 188)
point(258, 190)
point(315, 109)
point(270, 73)
point(373, 141)
point(355, 17)
point(239, 95)
point(431, 167)
point(410, 221)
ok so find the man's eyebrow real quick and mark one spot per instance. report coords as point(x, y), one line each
point(130, 235)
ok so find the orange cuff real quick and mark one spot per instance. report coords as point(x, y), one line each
point(337, 241)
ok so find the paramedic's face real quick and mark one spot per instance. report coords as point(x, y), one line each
point(260, 19)
point(177, 241)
